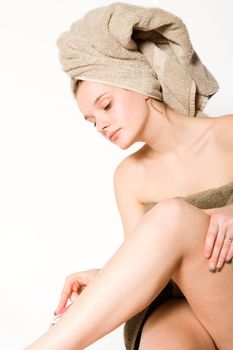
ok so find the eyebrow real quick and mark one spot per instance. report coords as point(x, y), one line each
point(99, 97)
point(96, 100)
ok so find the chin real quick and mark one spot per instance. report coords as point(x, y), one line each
point(125, 145)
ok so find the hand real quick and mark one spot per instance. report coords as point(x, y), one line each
point(219, 240)
point(73, 286)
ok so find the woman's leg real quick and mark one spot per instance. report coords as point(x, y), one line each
point(173, 325)
point(168, 242)
point(210, 295)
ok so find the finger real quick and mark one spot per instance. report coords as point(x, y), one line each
point(219, 242)
point(66, 292)
point(211, 236)
point(62, 302)
point(225, 249)
point(230, 252)
point(230, 239)
point(73, 297)
point(73, 283)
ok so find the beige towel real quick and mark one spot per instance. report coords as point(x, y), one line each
point(147, 50)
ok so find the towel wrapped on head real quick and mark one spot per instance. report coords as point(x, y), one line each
point(147, 50)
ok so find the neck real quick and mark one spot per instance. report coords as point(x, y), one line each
point(172, 134)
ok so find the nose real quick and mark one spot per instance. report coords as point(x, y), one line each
point(102, 125)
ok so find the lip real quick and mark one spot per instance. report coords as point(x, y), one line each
point(112, 135)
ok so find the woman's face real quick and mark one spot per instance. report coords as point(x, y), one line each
point(118, 114)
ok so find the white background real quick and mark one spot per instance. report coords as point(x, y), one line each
point(57, 208)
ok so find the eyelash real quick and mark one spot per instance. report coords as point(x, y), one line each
point(105, 108)
point(108, 106)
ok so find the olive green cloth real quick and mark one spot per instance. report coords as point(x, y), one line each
point(147, 50)
point(211, 198)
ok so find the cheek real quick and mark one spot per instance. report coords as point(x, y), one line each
point(138, 110)
point(131, 111)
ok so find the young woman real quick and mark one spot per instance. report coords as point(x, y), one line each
point(175, 198)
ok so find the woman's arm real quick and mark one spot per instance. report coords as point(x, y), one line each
point(219, 245)
point(130, 209)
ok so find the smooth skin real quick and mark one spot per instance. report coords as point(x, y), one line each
point(167, 242)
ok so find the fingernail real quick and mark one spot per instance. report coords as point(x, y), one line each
point(62, 311)
point(212, 268)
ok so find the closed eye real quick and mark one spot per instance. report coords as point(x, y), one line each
point(108, 106)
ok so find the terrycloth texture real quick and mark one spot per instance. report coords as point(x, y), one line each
point(212, 198)
point(147, 50)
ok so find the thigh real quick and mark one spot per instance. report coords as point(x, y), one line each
point(173, 325)
point(209, 294)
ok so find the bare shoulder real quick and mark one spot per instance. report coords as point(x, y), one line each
point(126, 167)
point(129, 169)
point(125, 185)
point(223, 131)
point(125, 175)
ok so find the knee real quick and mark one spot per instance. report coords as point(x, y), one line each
point(164, 219)
point(167, 212)
point(177, 217)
